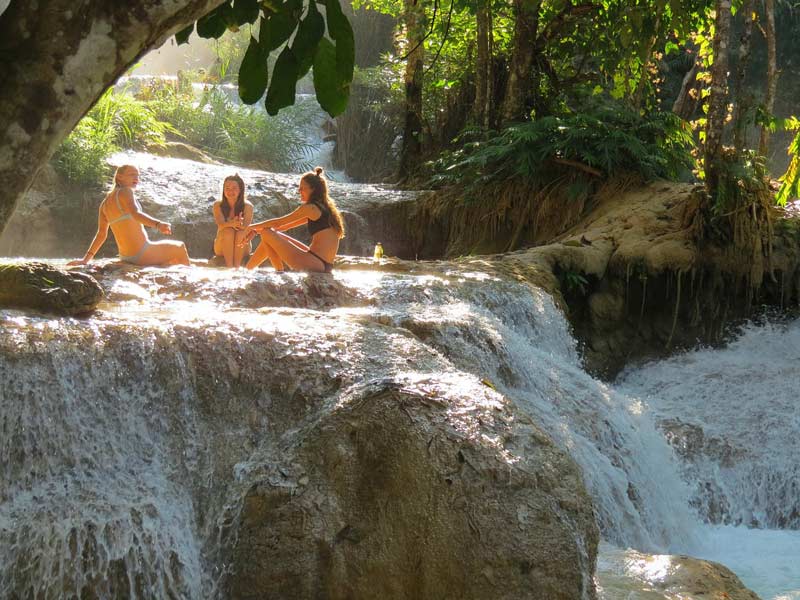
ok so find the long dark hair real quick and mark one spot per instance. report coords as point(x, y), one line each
point(238, 208)
point(319, 196)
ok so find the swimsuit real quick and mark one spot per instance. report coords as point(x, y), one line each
point(325, 221)
point(133, 258)
point(328, 266)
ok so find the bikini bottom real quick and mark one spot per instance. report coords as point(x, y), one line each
point(328, 266)
point(134, 259)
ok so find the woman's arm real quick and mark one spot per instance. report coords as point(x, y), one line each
point(297, 217)
point(97, 242)
point(247, 217)
point(291, 225)
point(139, 216)
point(220, 218)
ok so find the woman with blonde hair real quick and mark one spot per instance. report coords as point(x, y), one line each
point(233, 215)
point(325, 226)
point(120, 211)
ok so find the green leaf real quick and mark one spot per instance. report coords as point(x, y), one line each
point(214, 24)
point(253, 73)
point(310, 32)
point(332, 91)
point(284, 78)
point(245, 11)
point(182, 37)
point(340, 30)
point(278, 26)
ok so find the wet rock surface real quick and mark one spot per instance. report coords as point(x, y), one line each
point(249, 446)
point(393, 492)
point(43, 287)
point(632, 575)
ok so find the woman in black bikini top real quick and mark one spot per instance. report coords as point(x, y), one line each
point(325, 226)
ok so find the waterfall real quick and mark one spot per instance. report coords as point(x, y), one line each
point(90, 502)
point(123, 432)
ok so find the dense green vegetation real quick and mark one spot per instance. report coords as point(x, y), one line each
point(598, 142)
point(210, 121)
point(493, 77)
point(481, 90)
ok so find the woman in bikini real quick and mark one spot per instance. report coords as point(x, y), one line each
point(325, 226)
point(233, 215)
point(122, 213)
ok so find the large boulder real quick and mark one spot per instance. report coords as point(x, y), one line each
point(412, 490)
point(49, 289)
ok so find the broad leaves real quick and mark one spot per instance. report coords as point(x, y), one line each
point(332, 92)
point(253, 73)
point(281, 24)
point(284, 78)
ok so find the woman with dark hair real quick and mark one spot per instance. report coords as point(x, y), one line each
point(121, 212)
point(233, 215)
point(325, 226)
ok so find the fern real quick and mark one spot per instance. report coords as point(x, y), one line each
point(606, 138)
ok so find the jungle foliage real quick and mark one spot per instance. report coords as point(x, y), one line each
point(599, 141)
point(211, 121)
point(493, 69)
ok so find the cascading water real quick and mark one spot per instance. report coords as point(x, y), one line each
point(741, 398)
point(733, 416)
point(110, 479)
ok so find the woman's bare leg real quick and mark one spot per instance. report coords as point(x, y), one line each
point(293, 241)
point(262, 253)
point(225, 246)
point(239, 248)
point(164, 253)
point(290, 253)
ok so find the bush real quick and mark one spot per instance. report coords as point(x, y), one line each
point(81, 157)
point(215, 123)
point(244, 134)
point(116, 121)
point(602, 141)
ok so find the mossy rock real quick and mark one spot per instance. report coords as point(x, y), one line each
point(47, 288)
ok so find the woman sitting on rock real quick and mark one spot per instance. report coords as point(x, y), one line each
point(122, 213)
point(325, 226)
point(233, 215)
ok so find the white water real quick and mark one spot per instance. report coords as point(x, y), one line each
point(107, 467)
point(746, 394)
point(745, 399)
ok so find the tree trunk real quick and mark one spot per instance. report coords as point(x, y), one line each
point(56, 58)
point(772, 74)
point(685, 104)
point(647, 56)
point(717, 103)
point(411, 151)
point(742, 97)
point(483, 66)
point(518, 88)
